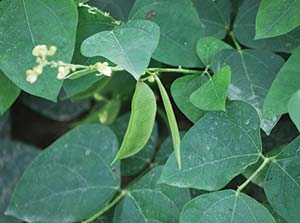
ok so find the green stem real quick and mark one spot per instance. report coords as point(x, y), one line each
point(259, 169)
point(237, 45)
point(175, 70)
point(113, 203)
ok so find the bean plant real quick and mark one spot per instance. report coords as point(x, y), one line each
point(150, 111)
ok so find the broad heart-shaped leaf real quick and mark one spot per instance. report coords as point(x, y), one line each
point(208, 47)
point(277, 17)
point(294, 108)
point(180, 28)
point(224, 207)
point(149, 201)
point(136, 163)
point(214, 16)
point(88, 24)
point(143, 112)
point(211, 96)
point(70, 180)
point(181, 89)
point(14, 158)
point(130, 45)
point(36, 22)
point(252, 73)
point(287, 83)
point(244, 31)
point(282, 183)
point(8, 93)
point(216, 149)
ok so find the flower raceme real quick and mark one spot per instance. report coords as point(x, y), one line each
point(41, 52)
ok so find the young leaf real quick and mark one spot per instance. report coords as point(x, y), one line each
point(208, 47)
point(216, 149)
point(36, 22)
point(14, 158)
point(130, 45)
point(294, 108)
point(142, 118)
point(149, 201)
point(282, 183)
point(136, 163)
point(181, 89)
point(172, 121)
point(69, 180)
point(180, 29)
point(286, 83)
point(223, 207)
point(252, 73)
point(276, 17)
point(8, 93)
point(211, 96)
point(244, 31)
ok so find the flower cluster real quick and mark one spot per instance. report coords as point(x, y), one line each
point(41, 52)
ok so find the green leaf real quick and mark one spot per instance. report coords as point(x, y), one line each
point(70, 180)
point(214, 16)
point(36, 22)
point(130, 45)
point(286, 83)
point(252, 73)
point(14, 158)
point(276, 17)
point(244, 31)
point(149, 201)
point(136, 163)
point(8, 93)
point(294, 108)
point(181, 89)
point(223, 207)
point(208, 47)
point(171, 120)
point(211, 96)
point(143, 111)
point(216, 149)
point(5, 126)
point(63, 110)
point(180, 28)
point(282, 183)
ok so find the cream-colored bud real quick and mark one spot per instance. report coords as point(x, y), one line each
point(61, 76)
point(39, 50)
point(38, 69)
point(51, 51)
point(31, 78)
point(104, 69)
point(151, 79)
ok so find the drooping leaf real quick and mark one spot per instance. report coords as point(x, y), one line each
point(217, 148)
point(276, 17)
point(171, 120)
point(294, 108)
point(282, 183)
point(223, 207)
point(180, 28)
point(136, 163)
point(8, 93)
point(149, 201)
point(181, 89)
point(208, 47)
point(211, 96)
point(214, 16)
point(36, 22)
point(130, 45)
point(63, 110)
point(70, 180)
point(244, 31)
point(14, 158)
point(252, 73)
point(143, 112)
point(286, 83)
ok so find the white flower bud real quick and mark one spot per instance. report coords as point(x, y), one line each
point(38, 69)
point(39, 50)
point(104, 69)
point(31, 76)
point(51, 51)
